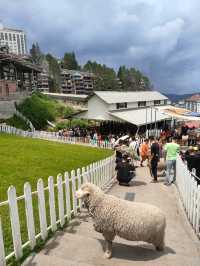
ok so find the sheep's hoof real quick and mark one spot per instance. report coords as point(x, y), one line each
point(107, 254)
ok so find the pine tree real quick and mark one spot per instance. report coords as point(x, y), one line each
point(70, 62)
point(36, 54)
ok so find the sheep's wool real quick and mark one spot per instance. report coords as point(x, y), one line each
point(130, 220)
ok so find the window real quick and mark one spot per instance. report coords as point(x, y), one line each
point(14, 38)
point(121, 105)
point(165, 102)
point(2, 36)
point(157, 102)
point(6, 36)
point(10, 37)
point(141, 104)
point(18, 44)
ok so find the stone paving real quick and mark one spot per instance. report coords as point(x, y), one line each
point(80, 245)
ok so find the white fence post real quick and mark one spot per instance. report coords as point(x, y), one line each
point(73, 177)
point(29, 215)
point(79, 185)
point(67, 192)
point(60, 200)
point(15, 225)
point(42, 209)
point(197, 229)
point(52, 203)
point(2, 251)
point(83, 175)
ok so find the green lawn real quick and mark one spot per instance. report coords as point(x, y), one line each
point(24, 159)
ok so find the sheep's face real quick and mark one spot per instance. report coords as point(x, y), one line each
point(86, 191)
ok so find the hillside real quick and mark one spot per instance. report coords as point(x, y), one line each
point(178, 97)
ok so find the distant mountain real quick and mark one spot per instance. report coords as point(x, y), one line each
point(178, 97)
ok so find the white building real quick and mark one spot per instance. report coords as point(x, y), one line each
point(193, 103)
point(138, 108)
point(14, 39)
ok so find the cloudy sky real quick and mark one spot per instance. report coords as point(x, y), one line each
point(159, 37)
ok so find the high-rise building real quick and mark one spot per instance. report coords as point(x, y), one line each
point(43, 81)
point(14, 39)
point(77, 82)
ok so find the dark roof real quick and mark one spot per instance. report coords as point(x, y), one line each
point(20, 61)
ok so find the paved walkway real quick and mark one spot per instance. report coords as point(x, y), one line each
point(80, 245)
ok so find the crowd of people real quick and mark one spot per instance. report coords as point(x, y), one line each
point(156, 153)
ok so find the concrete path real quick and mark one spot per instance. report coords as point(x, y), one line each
point(80, 245)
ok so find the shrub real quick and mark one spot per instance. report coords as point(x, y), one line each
point(79, 123)
point(62, 125)
point(38, 110)
point(68, 111)
point(17, 122)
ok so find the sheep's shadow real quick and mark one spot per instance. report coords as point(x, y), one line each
point(141, 252)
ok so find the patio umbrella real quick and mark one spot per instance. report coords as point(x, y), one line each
point(122, 138)
point(191, 124)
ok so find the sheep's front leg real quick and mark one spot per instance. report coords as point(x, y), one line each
point(108, 247)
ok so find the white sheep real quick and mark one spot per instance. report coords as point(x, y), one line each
point(130, 220)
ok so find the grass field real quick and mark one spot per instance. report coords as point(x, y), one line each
point(24, 159)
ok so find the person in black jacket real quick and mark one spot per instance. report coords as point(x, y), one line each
point(125, 170)
point(154, 159)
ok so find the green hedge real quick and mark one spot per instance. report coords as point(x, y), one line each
point(38, 109)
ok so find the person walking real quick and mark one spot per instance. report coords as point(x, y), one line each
point(154, 159)
point(172, 150)
point(133, 146)
point(144, 149)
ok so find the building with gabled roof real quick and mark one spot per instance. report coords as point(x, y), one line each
point(193, 103)
point(138, 108)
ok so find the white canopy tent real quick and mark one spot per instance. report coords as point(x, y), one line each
point(177, 113)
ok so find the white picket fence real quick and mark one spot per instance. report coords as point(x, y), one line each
point(190, 194)
point(100, 173)
point(55, 136)
point(153, 132)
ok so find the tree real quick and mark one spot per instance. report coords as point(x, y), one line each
point(36, 54)
point(105, 77)
point(133, 79)
point(70, 62)
point(54, 73)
